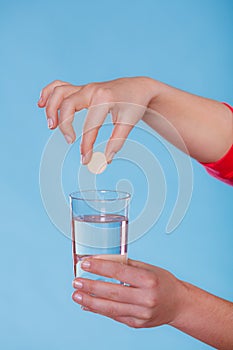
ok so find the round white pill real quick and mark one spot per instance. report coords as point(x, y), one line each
point(98, 163)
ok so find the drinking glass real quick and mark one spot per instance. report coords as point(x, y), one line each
point(99, 227)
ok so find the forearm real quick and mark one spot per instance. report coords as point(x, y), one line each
point(204, 125)
point(205, 317)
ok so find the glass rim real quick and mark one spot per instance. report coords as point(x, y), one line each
point(78, 195)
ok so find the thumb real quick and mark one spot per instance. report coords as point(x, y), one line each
point(117, 139)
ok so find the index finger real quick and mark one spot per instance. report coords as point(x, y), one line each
point(131, 275)
point(94, 120)
point(47, 90)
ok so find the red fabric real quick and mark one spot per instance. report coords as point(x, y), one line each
point(223, 168)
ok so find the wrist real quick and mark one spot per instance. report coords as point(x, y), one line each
point(150, 88)
point(181, 303)
point(157, 91)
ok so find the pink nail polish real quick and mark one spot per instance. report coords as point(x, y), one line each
point(85, 264)
point(77, 284)
point(50, 123)
point(78, 297)
point(84, 159)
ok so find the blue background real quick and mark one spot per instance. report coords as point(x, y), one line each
point(185, 43)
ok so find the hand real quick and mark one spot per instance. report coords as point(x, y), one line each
point(153, 298)
point(99, 99)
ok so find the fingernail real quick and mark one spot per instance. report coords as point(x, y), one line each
point(69, 139)
point(78, 297)
point(85, 264)
point(77, 284)
point(110, 157)
point(50, 123)
point(85, 159)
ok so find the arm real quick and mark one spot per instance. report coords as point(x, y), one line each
point(155, 297)
point(206, 317)
point(206, 126)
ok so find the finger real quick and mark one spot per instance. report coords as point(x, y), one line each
point(141, 265)
point(54, 101)
point(131, 321)
point(131, 275)
point(117, 139)
point(110, 291)
point(47, 90)
point(93, 122)
point(74, 103)
point(109, 308)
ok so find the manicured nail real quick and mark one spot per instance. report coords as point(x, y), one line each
point(50, 123)
point(110, 157)
point(85, 159)
point(85, 264)
point(68, 139)
point(78, 297)
point(77, 284)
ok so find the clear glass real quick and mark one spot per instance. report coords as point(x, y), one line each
point(99, 227)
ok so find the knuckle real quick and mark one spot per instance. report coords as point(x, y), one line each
point(146, 314)
point(103, 95)
point(89, 88)
point(57, 90)
point(57, 82)
point(151, 282)
point(134, 323)
point(151, 301)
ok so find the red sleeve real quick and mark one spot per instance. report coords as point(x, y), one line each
point(223, 168)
